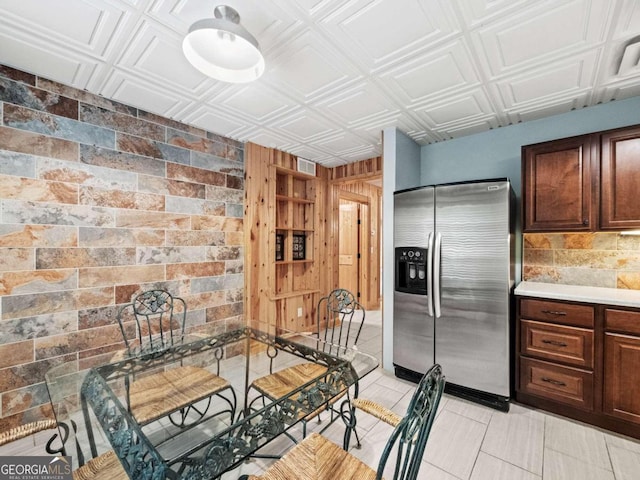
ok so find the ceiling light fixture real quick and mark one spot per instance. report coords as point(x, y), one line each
point(223, 49)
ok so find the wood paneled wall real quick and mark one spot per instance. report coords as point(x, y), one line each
point(265, 302)
point(269, 296)
point(360, 190)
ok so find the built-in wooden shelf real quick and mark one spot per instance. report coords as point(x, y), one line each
point(296, 293)
point(290, 262)
point(285, 198)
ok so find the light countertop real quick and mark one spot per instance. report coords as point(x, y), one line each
point(577, 293)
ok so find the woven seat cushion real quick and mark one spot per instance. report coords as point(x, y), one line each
point(162, 393)
point(280, 383)
point(105, 467)
point(316, 458)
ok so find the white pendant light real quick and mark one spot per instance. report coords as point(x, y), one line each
point(223, 49)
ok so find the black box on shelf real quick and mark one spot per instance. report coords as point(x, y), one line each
point(279, 247)
point(298, 246)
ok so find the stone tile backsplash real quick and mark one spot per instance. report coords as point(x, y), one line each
point(592, 259)
point(99, 201)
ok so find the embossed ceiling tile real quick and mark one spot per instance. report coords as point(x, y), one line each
point(542, 111)
point(628, 23)
point(87, 25)
point(373, 127)
point(423, 137)
point(309, 67)
point(357, 105)
point(212, 120)
point(479, 12)
point(341, 143)
point(332, 162)
point(306, 127)
point(309, 152)
point(469, 128)
point(383, 31)
point(446, 70)
point(156, 53)
point(542, 34)
point(264, 137)
point(620, 90)
point(560, 79)
point(32, 57)
point(457, 110)
point(315, 7)
point(256, 100)
point(365, 151)
point(148, 96)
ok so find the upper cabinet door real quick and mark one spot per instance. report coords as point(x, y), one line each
point(557, 186)
point(620, 184)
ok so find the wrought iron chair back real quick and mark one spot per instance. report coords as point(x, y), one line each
point(336, 313)
point(159, 321)
point(318, 457)
point(410, 435)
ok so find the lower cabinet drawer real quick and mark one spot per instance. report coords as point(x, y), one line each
point(557, 343)
point(555, 382)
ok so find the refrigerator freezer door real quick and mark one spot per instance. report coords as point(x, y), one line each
point(412, 324)
point(412, 332)
point(472, 333)
point(412, 217)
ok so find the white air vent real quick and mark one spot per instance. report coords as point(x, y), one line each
point(306, 166)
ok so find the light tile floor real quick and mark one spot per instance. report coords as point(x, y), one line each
point(468, 441)
point(473, 442)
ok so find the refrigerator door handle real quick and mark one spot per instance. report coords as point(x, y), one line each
point(430, 274)
point(436, 274)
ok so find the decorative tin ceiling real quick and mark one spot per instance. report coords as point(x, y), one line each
point(339, 71)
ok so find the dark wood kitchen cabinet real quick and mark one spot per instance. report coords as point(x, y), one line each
point(622, 364)
point(585, 183)
point(557, 351)
point(557, 185)
point(581, 361)
point(620, 182)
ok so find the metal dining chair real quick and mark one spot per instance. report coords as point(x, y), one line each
point(318, 458)
point(159, 322)
point(338, 328)
point(104, 467)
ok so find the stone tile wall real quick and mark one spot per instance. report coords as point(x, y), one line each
point(592, 259)
point(100, 201)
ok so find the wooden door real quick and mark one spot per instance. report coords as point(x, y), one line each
point(620, 182)
point(622, 377)
point(349, 246)
point(557, 188)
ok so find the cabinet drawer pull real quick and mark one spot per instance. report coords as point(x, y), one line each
point(555, 312)
point(555, 343)
point(554, 382)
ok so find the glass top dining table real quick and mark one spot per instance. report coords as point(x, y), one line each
point(92, 409)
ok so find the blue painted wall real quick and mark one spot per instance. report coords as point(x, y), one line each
point(408, 161)
point(496, 153)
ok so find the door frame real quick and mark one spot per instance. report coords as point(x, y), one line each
point(370, 251)
point(362, 267)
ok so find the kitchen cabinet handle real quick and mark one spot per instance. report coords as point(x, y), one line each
point(555, 343)
point(553, 382)
point(557, 313)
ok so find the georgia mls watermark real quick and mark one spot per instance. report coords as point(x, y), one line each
point(43, 467)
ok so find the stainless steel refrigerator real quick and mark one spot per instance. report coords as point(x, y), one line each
point(454, 278)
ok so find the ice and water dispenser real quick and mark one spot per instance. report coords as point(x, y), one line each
point(411, 270)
